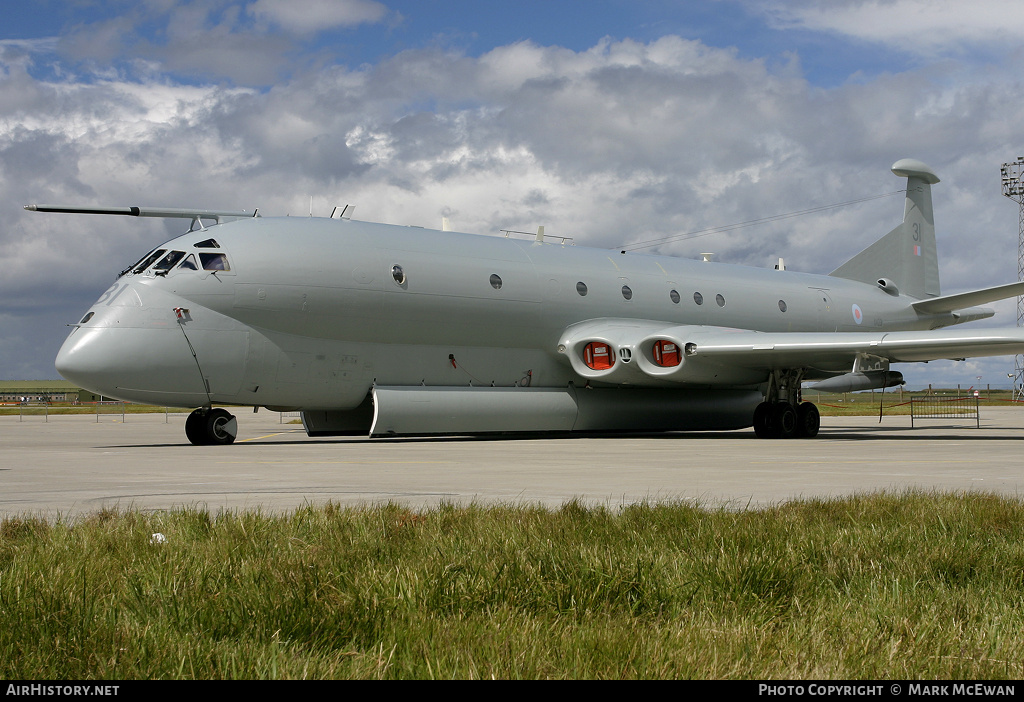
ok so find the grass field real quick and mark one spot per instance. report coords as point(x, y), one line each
point(894, 402)
point(872, 587)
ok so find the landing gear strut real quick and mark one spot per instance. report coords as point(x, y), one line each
point(782, 415)
point(207, 427)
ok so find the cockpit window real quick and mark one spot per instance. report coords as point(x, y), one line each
point(214, 262)
point(148, 261)
point(168, 262)
point(137, 263)
point(207, 244)
point(189, 263)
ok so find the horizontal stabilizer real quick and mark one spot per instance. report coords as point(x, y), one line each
point(951, 303)
point(183, 213)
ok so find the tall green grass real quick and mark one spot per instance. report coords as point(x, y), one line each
point(885, 586)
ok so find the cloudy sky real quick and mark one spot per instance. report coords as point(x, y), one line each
point(611, 121)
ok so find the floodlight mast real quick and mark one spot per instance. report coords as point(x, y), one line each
point(1013, 188)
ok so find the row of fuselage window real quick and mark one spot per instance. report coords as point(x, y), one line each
point(219, 262)
point(581, 288)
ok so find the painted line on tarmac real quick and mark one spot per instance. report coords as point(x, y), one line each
point(331, 463)
point(267, 436)
point(867, 461)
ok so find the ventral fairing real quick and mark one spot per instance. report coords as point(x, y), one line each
point(386, 330)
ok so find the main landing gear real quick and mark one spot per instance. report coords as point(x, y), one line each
point(780, 420)
point(209, 427)
point(782, 415)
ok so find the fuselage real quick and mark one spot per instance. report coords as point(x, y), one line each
point(312, 313)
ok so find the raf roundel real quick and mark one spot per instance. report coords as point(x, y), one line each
point(858, 316)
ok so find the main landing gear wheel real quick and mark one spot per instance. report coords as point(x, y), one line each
point(781, 421)
point(785, 420)
point(211, 427)
point(764, 422)
point(808, 420)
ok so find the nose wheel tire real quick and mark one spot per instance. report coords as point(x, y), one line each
point(211, 427)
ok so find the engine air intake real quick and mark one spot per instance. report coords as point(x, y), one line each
point(666, 353)
point(598, 356)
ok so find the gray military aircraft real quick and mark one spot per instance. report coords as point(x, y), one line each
point(391, 330)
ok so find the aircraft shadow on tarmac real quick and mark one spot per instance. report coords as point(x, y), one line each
point(875, 433)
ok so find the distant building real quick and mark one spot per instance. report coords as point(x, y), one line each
point(14, 391)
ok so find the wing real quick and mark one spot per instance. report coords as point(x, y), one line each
point(641, 352)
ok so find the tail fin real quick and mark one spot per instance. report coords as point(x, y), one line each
point(906, 256)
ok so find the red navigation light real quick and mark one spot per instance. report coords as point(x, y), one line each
point(666, 353)
point(598, 356)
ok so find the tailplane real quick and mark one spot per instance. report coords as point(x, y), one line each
point(906, 257)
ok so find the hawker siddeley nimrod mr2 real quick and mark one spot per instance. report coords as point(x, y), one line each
point(391, 330)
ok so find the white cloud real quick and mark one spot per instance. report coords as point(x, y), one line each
point(626, 141)
point(913, 26)
point(308, 16)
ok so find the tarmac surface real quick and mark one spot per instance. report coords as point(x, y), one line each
point(69, 466)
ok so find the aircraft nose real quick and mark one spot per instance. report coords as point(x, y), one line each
point(80, 360)
point(136, 363)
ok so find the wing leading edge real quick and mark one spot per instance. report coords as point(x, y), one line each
point(770, 350)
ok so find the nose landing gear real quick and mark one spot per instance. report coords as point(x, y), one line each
point(210, 427)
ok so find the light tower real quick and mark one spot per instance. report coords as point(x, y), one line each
point(1013, 188)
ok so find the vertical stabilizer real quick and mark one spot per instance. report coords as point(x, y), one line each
point(906, 256)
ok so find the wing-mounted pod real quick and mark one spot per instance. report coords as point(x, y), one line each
point(604, 349)
point(869, 373)
point(670, 354)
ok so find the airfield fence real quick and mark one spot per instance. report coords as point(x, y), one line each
point(107, 408)
point(103, 408)
point(110, 405)
point(935, 407)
